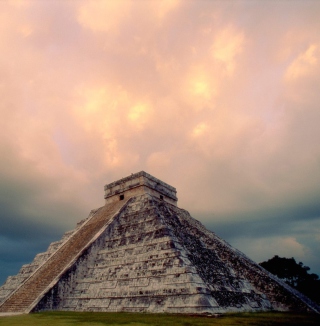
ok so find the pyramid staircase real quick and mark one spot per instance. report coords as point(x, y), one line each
point(46, 276)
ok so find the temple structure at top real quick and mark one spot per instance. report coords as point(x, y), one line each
point(138, 184)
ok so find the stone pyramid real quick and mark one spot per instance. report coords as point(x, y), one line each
point(141, 253)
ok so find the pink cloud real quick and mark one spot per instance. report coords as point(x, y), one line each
point(218, 98)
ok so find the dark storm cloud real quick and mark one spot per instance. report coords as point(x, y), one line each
point(34, 212)
point(265, 234)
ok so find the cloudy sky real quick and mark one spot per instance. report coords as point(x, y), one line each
point(220, 99)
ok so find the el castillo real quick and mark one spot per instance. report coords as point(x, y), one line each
point(140, 252)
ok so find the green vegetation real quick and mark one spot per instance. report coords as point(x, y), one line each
point(136, 319)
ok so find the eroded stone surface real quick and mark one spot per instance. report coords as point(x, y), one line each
point(152, 257)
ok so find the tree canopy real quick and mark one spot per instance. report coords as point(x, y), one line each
point(296, 275)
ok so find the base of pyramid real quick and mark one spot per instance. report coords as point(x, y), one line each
point(7, 314)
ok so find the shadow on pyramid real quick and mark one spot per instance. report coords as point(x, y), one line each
point(141, 253)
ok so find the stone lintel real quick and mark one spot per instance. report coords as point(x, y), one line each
point(138, 184)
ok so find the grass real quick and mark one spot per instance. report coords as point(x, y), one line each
point(135, 319)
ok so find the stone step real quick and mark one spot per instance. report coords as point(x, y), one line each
point(25, 296)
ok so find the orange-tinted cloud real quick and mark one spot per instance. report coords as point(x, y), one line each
point(103, 16)
point(218, 98)
point(228, 43)
point(304, 63)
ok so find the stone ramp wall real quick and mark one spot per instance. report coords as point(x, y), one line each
point(13, 282)
point(24, 297)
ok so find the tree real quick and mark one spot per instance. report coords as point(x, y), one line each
point(296, 275)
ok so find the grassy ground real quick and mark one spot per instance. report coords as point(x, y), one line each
point(132, 319)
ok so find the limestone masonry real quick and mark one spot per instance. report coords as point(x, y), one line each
point(139, 184)
point(141, 253)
